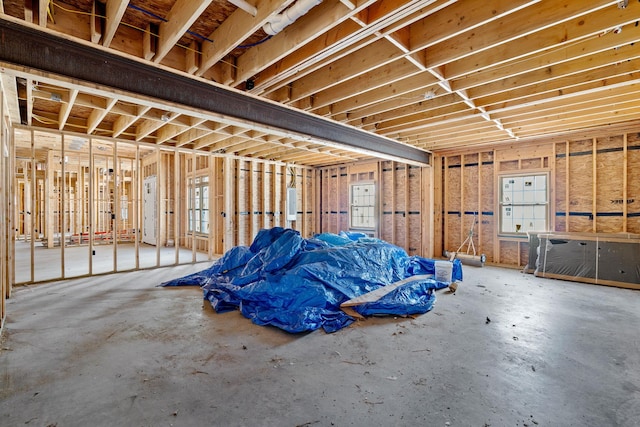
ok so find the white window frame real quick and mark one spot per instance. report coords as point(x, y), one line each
point(521, 205)
point(197, 206)
point(360, 206)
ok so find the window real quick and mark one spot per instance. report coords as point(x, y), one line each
point(363, 206)
point(524, 203)
point(199, 205)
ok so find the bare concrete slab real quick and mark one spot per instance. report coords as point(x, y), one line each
point(507, 349)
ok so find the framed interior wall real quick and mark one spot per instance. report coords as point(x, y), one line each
point(85, 203)
point(5, 210)
point(403, 202)
point(593, 186)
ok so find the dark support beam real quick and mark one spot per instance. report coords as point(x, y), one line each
point(31, 47)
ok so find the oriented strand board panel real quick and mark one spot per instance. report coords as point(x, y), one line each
point(595, 184)
point(399, 188)
point(609, 184)
point(308, 202)
point(485, 237)
point(509, 165)
point(414, 212)
point(509, 251)
point(331, 200)
point(453, 203)
point(325, 189)
point(536, 163)
point(343, 208)
point(453, 184)
point(633, 183)
point(455, 240)
point(524, 253)
point(470, 184)
point(581, 185)
point(243, 202)
point(268, 203)
point(399, 207)
point(386, 191)
point(561, 186)
point(488, 215)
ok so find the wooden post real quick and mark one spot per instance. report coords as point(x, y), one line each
point(63, 206)
point(314, 196)
point(445, 192)
point(229, 216)
point(251, 183)
point(213, 206)
point(594, 181)
point(566, 186)
point(625, 169)
point(303, 191)
point(275, 218)
point(92, 204)
point(434, 241)
point(115, 212)
point(176, 208)
point(338, 229)
point(194, 161)
point(4, 195)
point(478, 230)
point(159, 216)
point(551, 186)
point(462, 227)
point(33, 208)
point(136, 186)
point(407, 240)
point(49, 191)
point(393, 203)
point(496, 192)
point(264, 219)
point(283, 196)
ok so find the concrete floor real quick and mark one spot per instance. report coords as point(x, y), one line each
point(508, 349)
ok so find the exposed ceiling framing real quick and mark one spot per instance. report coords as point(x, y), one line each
point(423, 74)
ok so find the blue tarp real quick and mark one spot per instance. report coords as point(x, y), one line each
point(298, 284)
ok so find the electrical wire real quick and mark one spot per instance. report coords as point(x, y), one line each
point(79, 12)
point(245, 46)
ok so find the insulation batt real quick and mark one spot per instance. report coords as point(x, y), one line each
point(298, 284)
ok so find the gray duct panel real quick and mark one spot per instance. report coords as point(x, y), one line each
point(601, 258)
point(30, 47)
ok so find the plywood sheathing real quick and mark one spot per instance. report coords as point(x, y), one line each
point(414, 210)
point(581, 185)
point(488, 213)
point(633, 183)
point(561, 187)
point(595, 187)
point(400, 192)
point(609, 188)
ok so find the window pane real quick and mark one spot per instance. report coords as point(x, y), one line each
point(524, 203)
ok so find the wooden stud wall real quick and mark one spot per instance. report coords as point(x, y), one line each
point(594, 187)
point(401, 201)
point(254, 197)
point(5, 196)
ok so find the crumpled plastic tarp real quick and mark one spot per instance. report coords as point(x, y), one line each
point(298, 284)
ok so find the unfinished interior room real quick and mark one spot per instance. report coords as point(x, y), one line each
point(320, 212)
